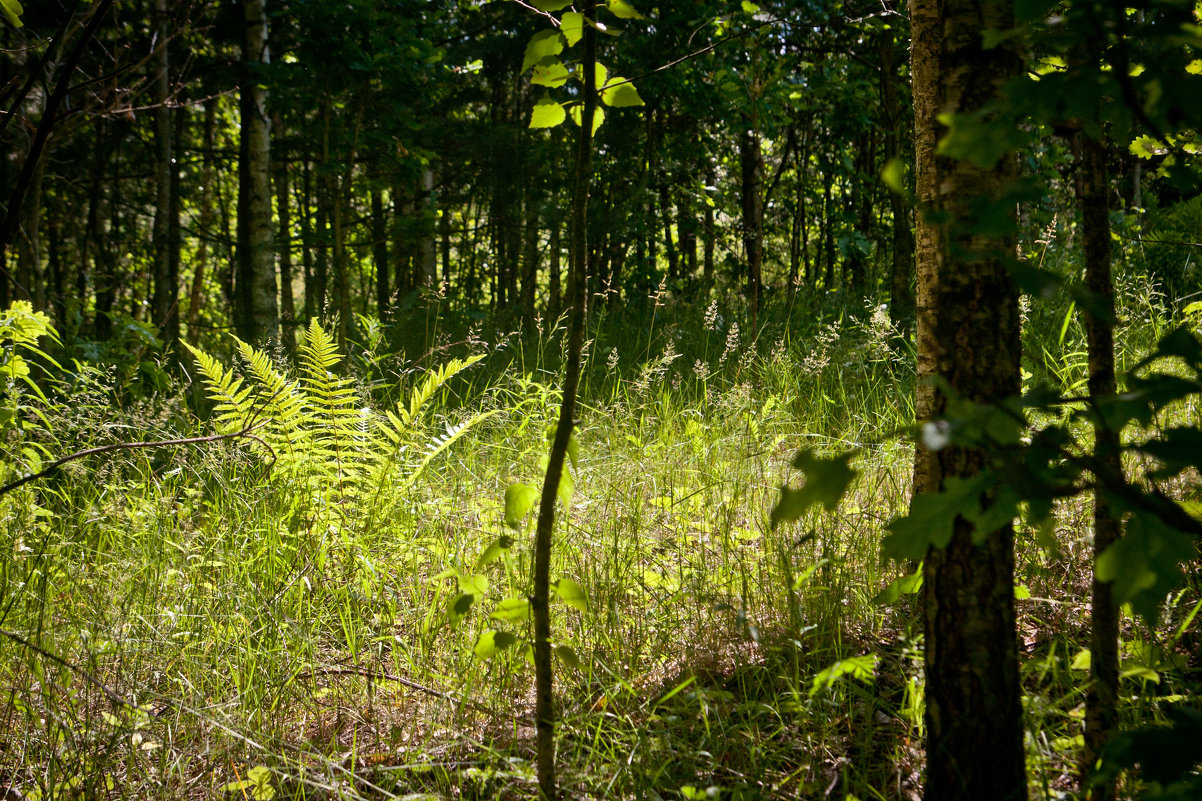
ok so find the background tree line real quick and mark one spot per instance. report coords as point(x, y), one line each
point(398, 156)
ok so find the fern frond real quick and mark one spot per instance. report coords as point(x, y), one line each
point(335, 410)
point(284, 405)
point(226, 389)
point(430, 384)
point(440, 444)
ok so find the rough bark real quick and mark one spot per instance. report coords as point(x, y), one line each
point(708, 230)
point(969, 338)
point(1100, 713)
point(257, 316)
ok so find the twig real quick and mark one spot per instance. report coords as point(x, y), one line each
point(247, 432)
point(109, 692)
point(386, 676)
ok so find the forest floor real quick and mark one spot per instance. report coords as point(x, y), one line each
point(208, 622)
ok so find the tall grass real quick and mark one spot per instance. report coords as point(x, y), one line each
point(230, 633)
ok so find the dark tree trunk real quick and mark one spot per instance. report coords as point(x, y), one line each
point(901, 268)
point(1101, 717)
point(257, 307)
point(201, 262)
point(967, 297)
point(165, 301)
point(379, 243)
point(540, 598)
point(553, 302)
point(530, 259)
point(751, 163)
point(709, 230)
point(283, 213)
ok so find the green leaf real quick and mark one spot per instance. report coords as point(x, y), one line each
point(1148, 147)
point(13, 11)
point(1082, 661)
point(567, 486)
point(857, 667)
point(981, 141)
point(1182, 343)
point(577, 111)
point(894, 176)
point(902, 585)
point(519, 500)
point(492, 643)
point(543, 45)
point(1145, 564)
point(553, 75)
point(932, 518)
point(572, 27)
point(459, 606)
point(547, 114)
point(569, 657)
point(258, 780)
point(571, 594)
point(750, 8)
point(512, 609)
point(477, 585)
point(573, 450)
point(623, 10)
point(1021, 592)
point(494, 551)
point(621, 95)
point(826, 480)
point(1177, 449)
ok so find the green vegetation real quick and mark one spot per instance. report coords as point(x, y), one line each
point(407, 399)
point(285, 619)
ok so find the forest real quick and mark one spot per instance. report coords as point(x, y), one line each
point(499, 399)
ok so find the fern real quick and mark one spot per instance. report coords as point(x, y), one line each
point(328, 438)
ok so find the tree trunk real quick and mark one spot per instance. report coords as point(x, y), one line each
point(257, 316)
point(968, 338)
point(29, 250)
point(708, 230)
point(828, 232)
point(283, 213)
point(530, 259)
point(540, 599)
point(901, 270)
point(1101, 717)
point(165, 301)
point(426, 255)
point(196, 294)
point(751, 163)
point(444, 239)
point(175, 237)
point(379, 250)
point(104, 268)
point(686, 233)
point(553, 301)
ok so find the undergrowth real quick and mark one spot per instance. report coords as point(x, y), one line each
point(281, 615)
